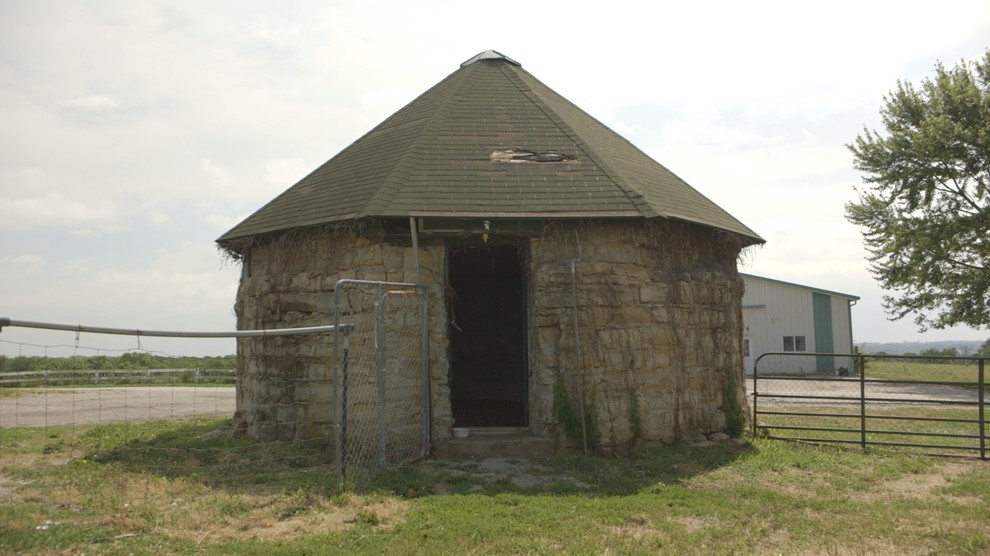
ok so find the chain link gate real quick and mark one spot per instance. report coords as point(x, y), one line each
point(381, 377)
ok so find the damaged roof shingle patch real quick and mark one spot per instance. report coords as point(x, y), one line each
point(523, 155)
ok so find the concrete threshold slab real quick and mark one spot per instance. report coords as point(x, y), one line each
point(499, 441)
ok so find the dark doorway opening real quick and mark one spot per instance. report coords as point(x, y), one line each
point(487, 336)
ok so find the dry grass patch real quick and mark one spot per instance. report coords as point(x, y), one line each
point(793, 482)
point(188, 512)
point(694, 524)
point(269, 522)
point(9, 486)
point(927, 485)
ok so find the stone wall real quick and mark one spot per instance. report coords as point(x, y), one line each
point(658, 308)
point(660, 331)
point(285, 386)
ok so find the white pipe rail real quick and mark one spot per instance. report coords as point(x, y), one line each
point(345, 328)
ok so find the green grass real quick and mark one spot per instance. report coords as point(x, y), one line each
point(881, 425)
point(892, 369)
point(193, 487)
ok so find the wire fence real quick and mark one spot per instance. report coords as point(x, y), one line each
point(932, 404)
point(177, 422)
point(381, 366)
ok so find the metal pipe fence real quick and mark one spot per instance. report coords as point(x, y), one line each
point(917, 402)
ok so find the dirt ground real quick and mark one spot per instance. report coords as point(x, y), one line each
point(518, 471)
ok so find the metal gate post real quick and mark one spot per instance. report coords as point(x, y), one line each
point(339, 413)
point(345, 379)
point(380, 305)
point(862, 409)
point(756, 396)
point(982, 410)
point(424, 354)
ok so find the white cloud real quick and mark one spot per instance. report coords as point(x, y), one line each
point(77, 265)
point(23, 174)
point(217, 174)
point(286, 171)
point(224, 222)
point(25, 263)
point(189, 263)
point(272, 32)
point(159, 217)
point(393, 97)
point(53, 209)
point(711, 134)
point(92, 102)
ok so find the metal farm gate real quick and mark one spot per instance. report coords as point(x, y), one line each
point(937, 404)
point(381, 376)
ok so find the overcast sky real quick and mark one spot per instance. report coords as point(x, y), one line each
point(136, 133)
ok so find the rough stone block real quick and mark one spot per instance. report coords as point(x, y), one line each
point(651, 292)
point(662, 336)
point(285, 413)
point(285, 432)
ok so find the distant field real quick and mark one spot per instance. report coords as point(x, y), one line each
point(901, 348)
point(892, 369)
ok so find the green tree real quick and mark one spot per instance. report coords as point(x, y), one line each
point(20, 364)
point(984, 350)
point(136, 360)
point(924, 214)
point(948, 353)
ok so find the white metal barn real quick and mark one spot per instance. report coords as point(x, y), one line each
point(784, 317)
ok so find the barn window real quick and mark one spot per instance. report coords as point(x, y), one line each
point(794, 343)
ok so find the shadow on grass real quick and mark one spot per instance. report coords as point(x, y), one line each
point(669, 465)
point(654, 467)
point(207, 451)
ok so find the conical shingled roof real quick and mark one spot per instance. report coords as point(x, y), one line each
point(491, 141)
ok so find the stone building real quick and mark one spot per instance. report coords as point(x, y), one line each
point(567, 272)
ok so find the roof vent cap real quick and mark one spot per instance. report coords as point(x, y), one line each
point(491, 55)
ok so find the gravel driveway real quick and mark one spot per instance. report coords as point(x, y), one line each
point(850, 388)
point(64, 406)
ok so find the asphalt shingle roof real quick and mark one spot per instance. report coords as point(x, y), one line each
point(449, 152)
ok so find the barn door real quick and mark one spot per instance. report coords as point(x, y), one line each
point(488, 386)
point(748, 355)
point(822, 308)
